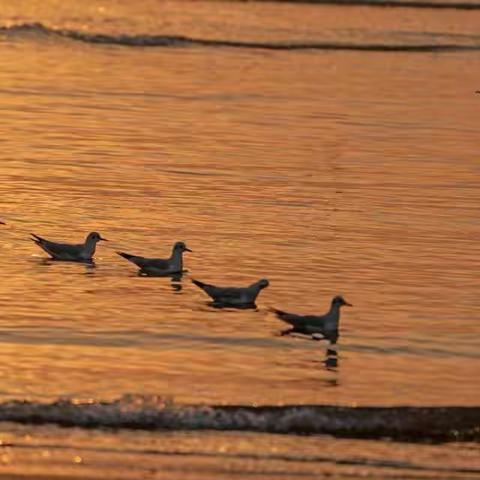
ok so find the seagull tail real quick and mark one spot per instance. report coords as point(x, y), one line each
point(36, 238)
point(199, 284)
point(282, 315)
point(125, 255)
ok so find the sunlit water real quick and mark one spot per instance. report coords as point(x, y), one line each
point(325, 171)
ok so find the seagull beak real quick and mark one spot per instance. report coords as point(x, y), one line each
point(348, 304)
point(2, 223)
point(104, 239)
point(188, 250)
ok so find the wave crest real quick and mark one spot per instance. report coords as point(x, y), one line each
point(450, 5)
point(156, 413)
point(179, 41)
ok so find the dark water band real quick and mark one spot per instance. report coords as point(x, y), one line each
point(413, 424)
point(442, 5)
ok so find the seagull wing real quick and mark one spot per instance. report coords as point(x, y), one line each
point(62, 251)
point(221, 294)
point(291, 318)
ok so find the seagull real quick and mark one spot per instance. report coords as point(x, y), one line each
point(158, 266)
point(325, 325)
point(64, 251)
point(233, 296)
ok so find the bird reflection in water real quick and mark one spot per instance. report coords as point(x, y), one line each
point(89, 265)
point(331, 355)
point(175, 278)
point(222, 305)
point(176, 282)
point(331, 359)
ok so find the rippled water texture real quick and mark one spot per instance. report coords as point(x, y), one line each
point(325, 171)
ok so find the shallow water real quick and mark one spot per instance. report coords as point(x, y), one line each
point(326, 171)
point(75, 453)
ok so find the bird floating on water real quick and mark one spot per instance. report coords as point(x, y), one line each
point(326, 325)
point(233, 296)
point(159, 266)
point(76, 253)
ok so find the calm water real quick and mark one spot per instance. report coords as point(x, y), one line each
point(352, 172)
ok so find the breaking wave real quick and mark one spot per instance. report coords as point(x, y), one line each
point(185, 41)
point(415, 424)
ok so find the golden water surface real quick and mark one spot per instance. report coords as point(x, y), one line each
point(326, 172)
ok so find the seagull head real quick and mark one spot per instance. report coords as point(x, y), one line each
point(263, 283)
point(180, 246)
point(340, 301)
point(95, 237)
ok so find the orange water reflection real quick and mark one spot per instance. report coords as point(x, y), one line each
point(325, 172)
